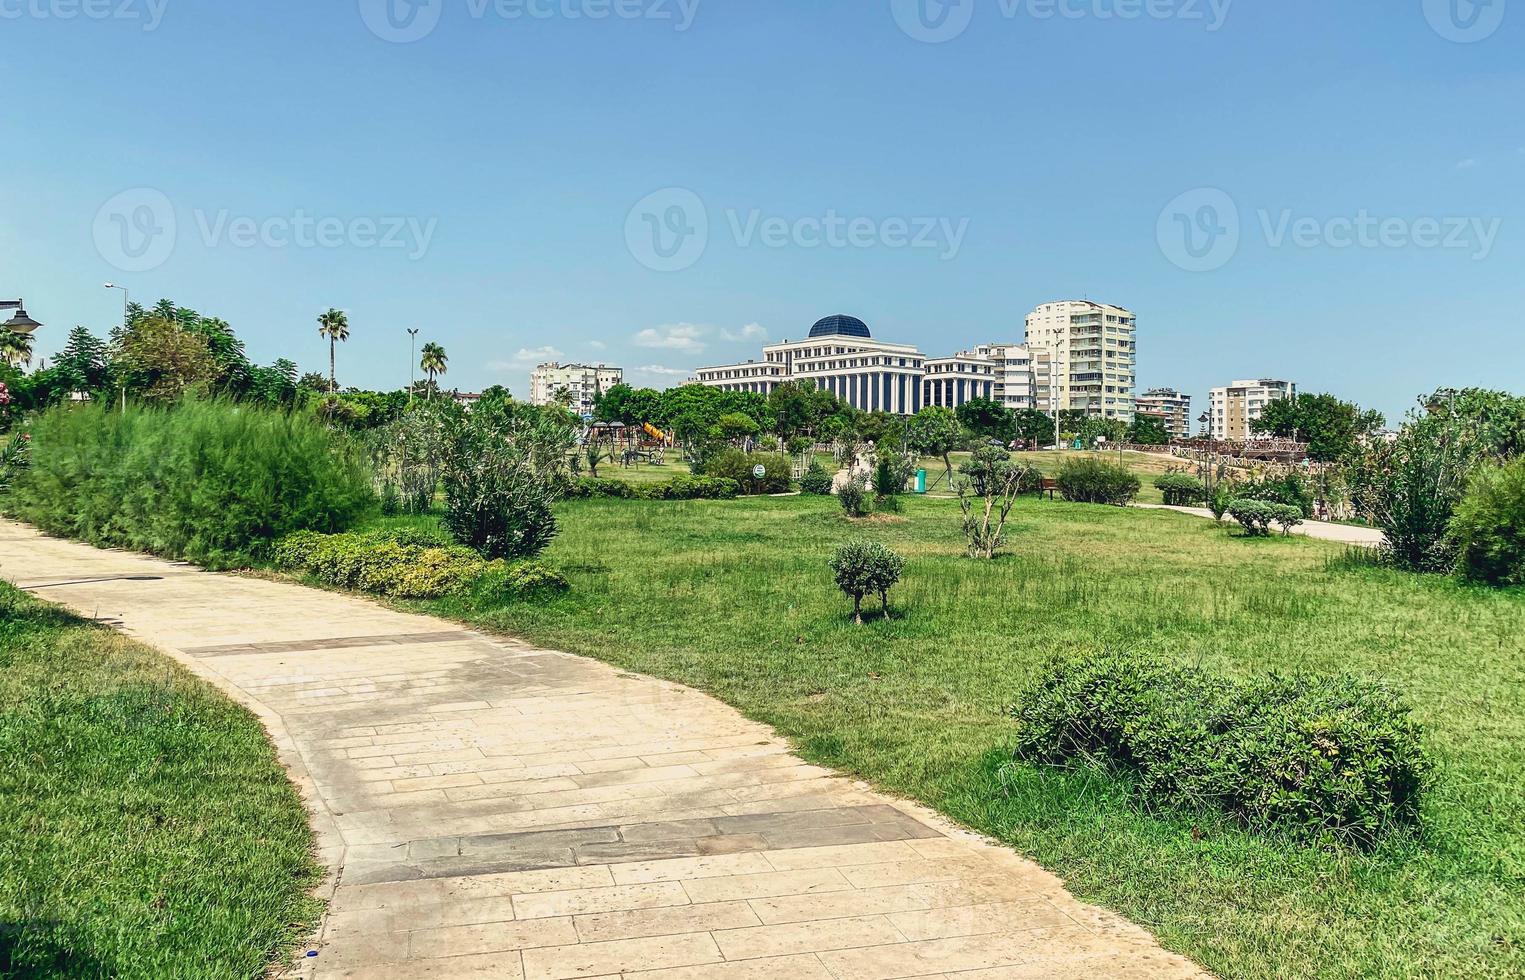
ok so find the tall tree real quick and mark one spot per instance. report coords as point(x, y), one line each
point(1332, 429)
point(160, 360)
point(935, 431)
point(985, 417)
point(84, 363)
point(434, 362)
point(335, 326)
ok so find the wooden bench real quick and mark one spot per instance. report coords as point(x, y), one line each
point(1048, 486)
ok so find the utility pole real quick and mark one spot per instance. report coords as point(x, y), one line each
point(412, 362)
point(112, 285)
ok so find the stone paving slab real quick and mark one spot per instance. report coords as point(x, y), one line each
point(491, 809)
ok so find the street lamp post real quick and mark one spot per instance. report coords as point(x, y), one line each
point(412, 362)
point(112, 285)
point(19, 322)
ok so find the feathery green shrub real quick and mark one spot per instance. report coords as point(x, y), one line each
point(211, 481)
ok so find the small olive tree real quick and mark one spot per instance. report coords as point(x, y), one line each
point(987, 492)
point(865, 568)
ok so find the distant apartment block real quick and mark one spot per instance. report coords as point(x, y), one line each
point(842, 356)
point(1093, 351)
point(1233, 408)
point(579, 384)
point(1172, 407)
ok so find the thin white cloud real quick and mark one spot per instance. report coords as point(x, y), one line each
point(752, 331)
point(684, 337)
point(597, 345)
point(659, 370)
point(526, 356)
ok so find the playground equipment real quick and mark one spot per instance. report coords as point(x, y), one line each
point(654, 432)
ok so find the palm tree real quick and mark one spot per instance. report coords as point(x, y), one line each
point(15, 348)
point(335, 326)
point(433, 362)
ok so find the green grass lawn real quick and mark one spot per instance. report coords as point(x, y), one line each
point(146, 828)
point(735, 598)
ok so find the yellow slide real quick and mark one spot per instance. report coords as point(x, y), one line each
point(653, 431)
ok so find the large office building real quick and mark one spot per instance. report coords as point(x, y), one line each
point(1093, 351)
point(842, 356)
point(581, 384)
point(1233, 408)
point(1172, 407)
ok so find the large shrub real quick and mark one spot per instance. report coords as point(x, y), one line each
point(1097, 481)
point(816, 480)
point(1290, 488)
point(501, 474)
point(733, 464)
point(1181, 489)
point(1257, 516)
point(380, 563)
point(1411, 488)
point(1487, 531)
point(1321, 758)
point(211, 481)
point(865, 568)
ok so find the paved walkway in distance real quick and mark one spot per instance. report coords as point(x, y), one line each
point(491, 809)
point(1323, 530)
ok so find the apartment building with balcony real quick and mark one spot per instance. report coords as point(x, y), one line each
point(580, 383)
point(1093, 352)
point(1172, 407)
point(1233, 408)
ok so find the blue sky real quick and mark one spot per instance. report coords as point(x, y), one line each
point(485, 182)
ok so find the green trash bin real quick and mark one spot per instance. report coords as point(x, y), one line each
point(921, 481)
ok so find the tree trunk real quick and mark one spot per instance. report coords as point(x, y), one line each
point(333, 379)
point(858, 609)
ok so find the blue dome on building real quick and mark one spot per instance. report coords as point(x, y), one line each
point(840, 326)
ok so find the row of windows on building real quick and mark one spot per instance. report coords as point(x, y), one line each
point(881, 391)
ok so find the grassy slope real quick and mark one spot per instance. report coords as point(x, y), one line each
point(735, 598)
point(146, 828)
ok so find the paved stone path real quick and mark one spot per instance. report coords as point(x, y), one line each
point(1323, 530)
point(491, 809)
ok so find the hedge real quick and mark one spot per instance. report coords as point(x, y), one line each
point(1334, 759)
point(1095, 481)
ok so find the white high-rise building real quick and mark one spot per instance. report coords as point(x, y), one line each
point(1234, 407)
point(1093, 351)
point(1173, 408)
point(582, 383)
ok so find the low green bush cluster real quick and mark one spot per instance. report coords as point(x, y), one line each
point(1290, 488)
point(816, 480)
point(1097, 481)
point(381, 563)
point(678, 488)
point(211, 481)
point(1328, 759)
point(733, 464)
point(1181, 489)
point(1487, 530)
point(1257, 516)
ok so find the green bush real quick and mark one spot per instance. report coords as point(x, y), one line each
point(533, 578)
point(501, 476)
point(866, 568)
point(733, 464)
point(1286, 517)
point(1321, 758)
point(1181, 489)
point(1097, 481)
point(372, 562)
point(1488, 529)
point(211, 481)
point(1255, 516)
point(816, 480)
point(1290, 489)
point(1218, 501)
point(854, 497)
point(678, 488)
